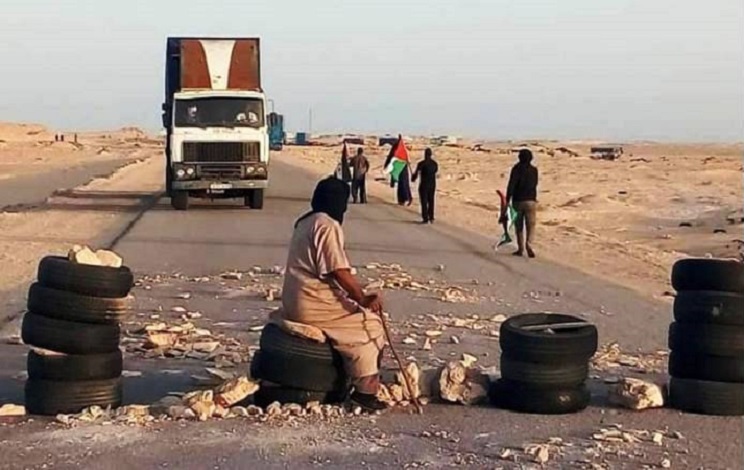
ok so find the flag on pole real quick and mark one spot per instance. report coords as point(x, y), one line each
point(507, 217)
point(397, 160)
point(343, 170)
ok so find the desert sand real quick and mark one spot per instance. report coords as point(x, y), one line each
point(626, 220)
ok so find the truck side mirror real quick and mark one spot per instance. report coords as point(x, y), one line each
point(166, 120)
point(164, 107)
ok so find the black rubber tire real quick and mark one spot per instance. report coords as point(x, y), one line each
point(74, 367)
point(524, 398)
point(50, 398)
point(180, 200)
point(299, 372)
point(59, 273)
point(707, 398)
point(721, 308)
point(707, 339)
point(256, 198)
point(708, 274)
point(268, 395)
point(711, 368)
point(553, 376)
point(564, 346)
point(69, 337)
point(64, 305)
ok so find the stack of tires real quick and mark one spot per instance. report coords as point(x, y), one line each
point(544, 364)
point(293, 369)
point(72, 324)
point(707, 337)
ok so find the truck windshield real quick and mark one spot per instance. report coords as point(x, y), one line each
point(219, 112)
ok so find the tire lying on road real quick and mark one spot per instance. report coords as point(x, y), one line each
point(708, 398)
point(559, 347)
point(49, 397)
point(297, 362)
point(267, 395)
point(708, 274)
point(706, 339)
point(47, 365)
point(525, 398)
point(54, 303)
point(59, 273)
point(721, 308)
point(69, 337)
point(556, 376)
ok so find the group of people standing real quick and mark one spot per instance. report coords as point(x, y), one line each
point(354, 172)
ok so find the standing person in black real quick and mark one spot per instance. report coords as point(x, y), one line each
point(522, 194)
point(359, 169)
point(427, 170)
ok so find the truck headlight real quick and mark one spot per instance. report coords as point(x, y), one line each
point(250, 170)
point(190, 171)
point(180, 173)
point(261, 170)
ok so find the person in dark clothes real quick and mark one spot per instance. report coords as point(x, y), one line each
point(427, 171)
point(405, 198)
point(522, 194)
point(359, 169)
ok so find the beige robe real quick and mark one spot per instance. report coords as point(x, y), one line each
point(310, 297)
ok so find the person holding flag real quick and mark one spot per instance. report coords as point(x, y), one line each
point(397, 166)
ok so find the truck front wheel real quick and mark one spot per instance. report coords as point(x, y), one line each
point(180, 200)
point(254, 199)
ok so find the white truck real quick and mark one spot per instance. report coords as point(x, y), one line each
point(214, 115)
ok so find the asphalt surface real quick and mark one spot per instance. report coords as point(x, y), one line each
point(214, 237)
point(27, 190)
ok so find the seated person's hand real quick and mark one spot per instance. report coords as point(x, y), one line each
point(372, 302)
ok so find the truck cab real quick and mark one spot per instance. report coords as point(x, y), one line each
point(215, 119)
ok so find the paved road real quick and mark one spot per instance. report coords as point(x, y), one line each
point(26, 190)
point(215, 237)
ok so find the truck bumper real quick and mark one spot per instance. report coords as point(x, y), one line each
point(201, 185)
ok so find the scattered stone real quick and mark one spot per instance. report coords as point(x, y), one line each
point(254, 410)
point(460, 384)
point(206, 346)
point(232, 276)
point(14, 340)
point(179, 309)
point(666, 463)
point(455, 340)
point(180, 412)
point(131, 373)
point(409, 340)
point(540, 453)
point(427, 345)
point(12, 410)
point(657, 438)
point(184, 295)
point(636, 394)
point(468, 360)
point(202, 403)
point(160, 340)
point(239, 411)
point(235, 391)
point(274, 409)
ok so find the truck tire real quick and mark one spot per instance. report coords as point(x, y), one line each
point(704, 367)
point(566, 346)
point(707, 398)
point(50, 397)
point(721, 308)
point(525, 398)
point(544, 376)
point(180, 200)
point(708, 274)
point(69, 337)
point(255, 198)
point(57, 272)
point(73, 367)
point(63, 305)
point(707, 339)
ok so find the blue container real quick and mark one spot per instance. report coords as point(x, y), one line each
point(301, 138)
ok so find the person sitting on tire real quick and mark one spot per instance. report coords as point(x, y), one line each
point(321, 291)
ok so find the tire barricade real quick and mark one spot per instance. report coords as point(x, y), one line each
point(72, 324)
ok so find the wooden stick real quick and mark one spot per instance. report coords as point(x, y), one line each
point(403, 370)
point(556, 326)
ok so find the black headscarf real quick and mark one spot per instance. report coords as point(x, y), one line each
point(525, 156)
point(331, 197)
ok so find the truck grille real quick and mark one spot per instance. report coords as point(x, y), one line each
point(221, 152)
point(221, 172)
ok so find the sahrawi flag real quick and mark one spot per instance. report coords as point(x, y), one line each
point(507, 217)
point(398, 159)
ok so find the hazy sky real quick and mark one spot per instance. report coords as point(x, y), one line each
point(613, 69)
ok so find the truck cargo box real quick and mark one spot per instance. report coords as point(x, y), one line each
point(212, 64)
